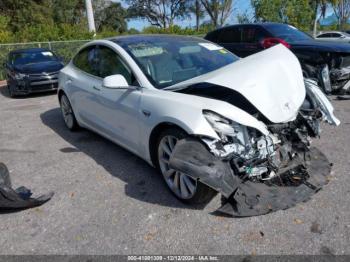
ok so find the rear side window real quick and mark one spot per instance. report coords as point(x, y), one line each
point(325, 36)
point(229, 35)
point(252, 35)
point(87, 61)
point(212, 36)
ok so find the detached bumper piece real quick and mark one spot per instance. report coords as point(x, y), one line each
point(15, 200)
point(296, 183)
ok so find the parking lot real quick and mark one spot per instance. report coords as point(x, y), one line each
point(108, 201)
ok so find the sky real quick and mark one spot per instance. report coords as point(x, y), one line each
point(240, 6)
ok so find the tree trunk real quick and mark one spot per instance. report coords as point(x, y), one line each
point(315, 21)
point(197, 14)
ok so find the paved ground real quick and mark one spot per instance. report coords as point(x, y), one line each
point(108, 201)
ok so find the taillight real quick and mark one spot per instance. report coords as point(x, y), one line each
point(271, 41)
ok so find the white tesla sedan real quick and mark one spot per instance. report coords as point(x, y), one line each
point(146, 93)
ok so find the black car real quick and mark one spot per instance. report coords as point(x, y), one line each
point(32, 70)
point(326, 62)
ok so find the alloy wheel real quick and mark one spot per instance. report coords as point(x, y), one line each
point(67, 112)
point(182, 185)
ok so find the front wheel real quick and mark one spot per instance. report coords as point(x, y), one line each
point(181, 185)
point(9, 89)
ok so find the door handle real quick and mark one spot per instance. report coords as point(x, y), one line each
point(96, 88)
point(69, 81)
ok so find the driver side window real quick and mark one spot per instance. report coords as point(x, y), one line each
point(111, 64)
point(86, 60)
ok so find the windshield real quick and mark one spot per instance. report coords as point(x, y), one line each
point(287, 33)
point(32, 57)
point(167, 61)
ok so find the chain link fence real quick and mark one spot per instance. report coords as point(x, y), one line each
point(64, 49)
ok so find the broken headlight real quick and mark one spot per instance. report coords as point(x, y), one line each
point(223, 126)
point(234, 138)
point(19, 76)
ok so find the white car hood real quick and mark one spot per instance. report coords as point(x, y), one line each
point(271, 80)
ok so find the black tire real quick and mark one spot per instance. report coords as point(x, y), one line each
point(67, 111)
point(203, 194)
point(9, 89)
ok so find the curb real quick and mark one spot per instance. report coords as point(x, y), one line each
point(2, 83)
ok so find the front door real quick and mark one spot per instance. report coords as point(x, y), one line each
point(118, 108)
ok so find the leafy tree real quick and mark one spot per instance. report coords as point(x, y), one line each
point(25, 13)
point(112, 17)
point(342, 12)
point(160, 13)
point(5, 34)
point(244, 18)
point(299, 14)
point(319, 8)
point(218, 10)
point(269, 10)
point(296, 12)
point(68, 11)
point(197, 9)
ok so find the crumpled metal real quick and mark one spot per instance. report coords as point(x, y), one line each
point(297, 183)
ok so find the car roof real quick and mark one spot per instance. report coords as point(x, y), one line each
point(154, 37)
point(30, 50)
point(264, 24)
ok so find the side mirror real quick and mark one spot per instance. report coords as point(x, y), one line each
point(115, 82)
point(343, 36)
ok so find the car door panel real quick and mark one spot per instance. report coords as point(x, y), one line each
point(120, 115)
point(115, 111)
point(84, 98)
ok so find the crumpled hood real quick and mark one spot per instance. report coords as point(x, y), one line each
point(271, 80)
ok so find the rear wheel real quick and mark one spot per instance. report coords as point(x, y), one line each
point(68, 114)
point(181, 185)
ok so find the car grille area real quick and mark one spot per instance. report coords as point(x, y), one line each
point(42, 79)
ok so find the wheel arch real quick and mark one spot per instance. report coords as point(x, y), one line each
point(60, 93)
point(157, 130)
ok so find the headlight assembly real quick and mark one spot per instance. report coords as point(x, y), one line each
point(19, 76)
point(226, 128)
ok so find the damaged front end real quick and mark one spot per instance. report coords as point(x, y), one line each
point(339, 74)
point(258, 173)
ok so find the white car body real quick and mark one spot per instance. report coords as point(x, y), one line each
point(334, 36)
point(271, 80)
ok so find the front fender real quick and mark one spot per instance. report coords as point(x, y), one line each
point(322, 101)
